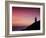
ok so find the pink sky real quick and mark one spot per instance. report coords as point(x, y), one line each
point(24, 16)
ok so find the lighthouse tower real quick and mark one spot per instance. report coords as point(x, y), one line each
point(35, 19)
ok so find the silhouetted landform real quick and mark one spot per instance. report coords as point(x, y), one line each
point(34, 26)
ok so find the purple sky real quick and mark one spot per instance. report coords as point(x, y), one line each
point(25, 16)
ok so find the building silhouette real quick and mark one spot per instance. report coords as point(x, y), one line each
point(35, 19)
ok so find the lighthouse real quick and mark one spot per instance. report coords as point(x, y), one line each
point(35, 19)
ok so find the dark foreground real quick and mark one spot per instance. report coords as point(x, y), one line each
point(34, 26)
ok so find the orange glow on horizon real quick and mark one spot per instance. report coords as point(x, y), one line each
point(20, 20)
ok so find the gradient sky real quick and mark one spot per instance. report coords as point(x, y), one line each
point(24, 16)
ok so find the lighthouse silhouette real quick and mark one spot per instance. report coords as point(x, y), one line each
point(35, 19)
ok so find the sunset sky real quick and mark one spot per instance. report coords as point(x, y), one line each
point(24, 16)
